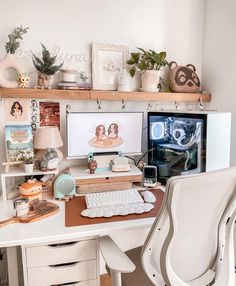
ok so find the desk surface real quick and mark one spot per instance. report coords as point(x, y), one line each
point(53, 230)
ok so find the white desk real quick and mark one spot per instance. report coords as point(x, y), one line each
point(53, 230)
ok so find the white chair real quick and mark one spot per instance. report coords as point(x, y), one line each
point(191, 241)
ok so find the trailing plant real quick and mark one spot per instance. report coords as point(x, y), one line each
point(45, 64)
point(146, 60)
point(12, 45)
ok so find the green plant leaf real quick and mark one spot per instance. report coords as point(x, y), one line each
point(132, 71)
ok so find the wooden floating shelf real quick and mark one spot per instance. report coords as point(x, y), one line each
point(102, 95)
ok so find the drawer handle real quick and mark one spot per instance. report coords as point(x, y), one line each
point(71, 264)
point(67, 284)
point(66, 244)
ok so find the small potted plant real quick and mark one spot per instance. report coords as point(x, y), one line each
point(10, 61)
point(150, 63)
point(46, 67)
point(29, 164)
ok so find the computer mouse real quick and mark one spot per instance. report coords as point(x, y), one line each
point(148, 197)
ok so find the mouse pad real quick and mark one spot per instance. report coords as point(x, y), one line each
point(74, 207)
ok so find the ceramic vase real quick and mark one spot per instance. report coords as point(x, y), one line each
point(44, 80)
point(150, 80)
point(29, 168)
point(9, 62)
point(124, 82)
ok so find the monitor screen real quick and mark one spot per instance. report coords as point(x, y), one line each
point(103, 132)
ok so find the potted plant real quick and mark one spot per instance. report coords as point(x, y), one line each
point(29, 164)
point(150, 63)
point(46, 67)
point(10, 61)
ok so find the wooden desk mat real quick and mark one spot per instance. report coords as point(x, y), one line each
point(74, 207)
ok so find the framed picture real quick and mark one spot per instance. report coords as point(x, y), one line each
point(16, 110)
point(19, 142)
point(49, 114)
point(108, 61)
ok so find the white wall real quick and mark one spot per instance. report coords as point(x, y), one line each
point(173, 26)
point(219, 59)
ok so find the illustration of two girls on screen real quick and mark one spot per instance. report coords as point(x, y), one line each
point(109, 139)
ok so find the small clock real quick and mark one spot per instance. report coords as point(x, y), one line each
point(64, 185)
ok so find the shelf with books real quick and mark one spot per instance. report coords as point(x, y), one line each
point(103, 95)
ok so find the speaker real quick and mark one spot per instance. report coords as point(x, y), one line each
point(64, 185)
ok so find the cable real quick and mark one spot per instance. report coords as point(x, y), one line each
point(132, 160)
point(145, 155)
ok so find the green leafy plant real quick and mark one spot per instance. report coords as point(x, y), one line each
point(146, 60)
point(12, 45)
point(45, 64)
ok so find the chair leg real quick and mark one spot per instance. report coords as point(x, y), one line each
point(116, 278)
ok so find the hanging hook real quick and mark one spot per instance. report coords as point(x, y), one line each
point(123, 103)
point(200, 103)
point(68, 108)
point(99, 103)
point(149, 106)
point(176, 105)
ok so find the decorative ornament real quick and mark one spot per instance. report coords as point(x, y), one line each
point(183, 78)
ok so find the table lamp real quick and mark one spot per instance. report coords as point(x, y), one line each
point(47, 138)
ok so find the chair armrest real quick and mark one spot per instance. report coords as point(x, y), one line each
point(115, 258)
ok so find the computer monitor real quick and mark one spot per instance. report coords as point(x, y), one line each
point(104, 132)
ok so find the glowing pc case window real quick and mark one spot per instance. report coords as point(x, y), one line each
point(177, 142)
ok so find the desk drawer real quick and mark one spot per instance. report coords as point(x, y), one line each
point(61, 253)
point(54, 275)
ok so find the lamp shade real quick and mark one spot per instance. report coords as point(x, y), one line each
point(47, 137)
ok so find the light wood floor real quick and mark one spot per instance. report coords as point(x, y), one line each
point(105, 280)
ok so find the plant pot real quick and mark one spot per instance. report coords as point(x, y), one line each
point(9, 62)
point(44, 80)
point(150, 80)
point(29, 168)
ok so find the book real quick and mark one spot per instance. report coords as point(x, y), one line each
point(19, 142)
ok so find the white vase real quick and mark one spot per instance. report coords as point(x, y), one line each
point(29, 168)
point(9, 62)
point(150, 80)
point(124, 82)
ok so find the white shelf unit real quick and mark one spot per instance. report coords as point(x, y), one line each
point(17, 172)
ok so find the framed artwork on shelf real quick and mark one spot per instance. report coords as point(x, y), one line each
point(108, 62)
point(16, 110)
point(19, 142)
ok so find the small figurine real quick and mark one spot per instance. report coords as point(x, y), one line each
point(183, 78)
point(92, 165)
point(50, 161)
point(23, 79)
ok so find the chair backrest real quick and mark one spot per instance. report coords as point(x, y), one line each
point(186, 242)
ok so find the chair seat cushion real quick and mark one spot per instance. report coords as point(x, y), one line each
point(138, 277)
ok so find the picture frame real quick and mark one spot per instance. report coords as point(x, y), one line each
point(16, 111)
point(108, 62)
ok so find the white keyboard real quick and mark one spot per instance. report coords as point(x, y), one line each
point(115, 203)
point(104, 199)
